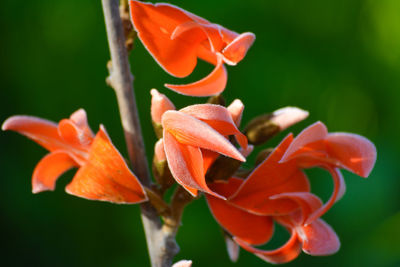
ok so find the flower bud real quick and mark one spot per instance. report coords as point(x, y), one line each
point(232, 247)
point(217, 100)
point(236, 111)
point(263, 155)
point(288, 116)
point(223, 168)
point(161, 171)
point(159, 104)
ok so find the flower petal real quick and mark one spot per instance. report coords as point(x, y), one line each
point(235, 51)
point(49, 168)
point(155, 24)
point(106, 176)
point(42, 131)
point(159, 104)
point(236, 110)
point(355, 153)
point(339, 188)
point(219, 118)
point(271, 178)
point(319, 238)
point(186, 165)
point(285, 253)
point(190, 131)
point(212, 84)
point(301, 144)
point(251, 228)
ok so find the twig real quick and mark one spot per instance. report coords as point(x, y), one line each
point(161, 244)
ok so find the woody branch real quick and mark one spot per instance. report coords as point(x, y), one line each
point(160, 240)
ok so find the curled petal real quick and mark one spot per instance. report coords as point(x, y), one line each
point(286, 253)
point(309, 140)
point(48, 170)
point(159, 104)
point(251, 228)
point(191, 131)
point(339, 188)
point(79, 117)
point(155, 24)
point(307, 202)
point(354, 152)
point(219, 118)
point(186, 165)
point(319, 238)
point(271, 178)
point(212, 84)
point(106, 176)
point(236, 50)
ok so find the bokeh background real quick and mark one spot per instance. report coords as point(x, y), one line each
point(338, 59)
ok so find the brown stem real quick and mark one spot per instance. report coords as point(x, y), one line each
point(161, 243)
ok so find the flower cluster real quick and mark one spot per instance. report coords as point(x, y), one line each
point(201, 148)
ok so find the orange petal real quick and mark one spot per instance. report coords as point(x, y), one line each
point(42, 131)
point(48, 170)
point(319, 238)
point(219, 118)
point(301, 144)
point(338, 191)
point(190, 131)
point(155, 25)
point(307, 202)
point(212, 84)
point(354, 152)
point(106, 176)
point(79, 117)
point(271, 178)
point(236, 110)
point(159, 104)
point(286, 253)
point(208, 158)
point(237, 49)
point(186, 165)
point(251, 228)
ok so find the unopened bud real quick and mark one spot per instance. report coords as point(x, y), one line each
point(263, 155)
point(159, 104)
point(161, 171)
point(217, 100)
point(223, 168)
point(232, 247)
point(264, 127)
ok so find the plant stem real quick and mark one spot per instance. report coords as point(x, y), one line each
point(161, 243)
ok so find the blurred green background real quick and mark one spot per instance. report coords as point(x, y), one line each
point(338, 59)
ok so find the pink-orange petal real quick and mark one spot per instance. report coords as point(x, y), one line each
point(155, 24)
point(159, 104)
point(235, 51)
point(319, 238)
point(49, 168)
point(288, 252)
point(354, 152)
point(312, 134)
point(339, 188)
point(212, 84)
point(271, 178)
point(251, 228)
point(79, 117)
point(191, 131)
point(186, 165)
point(42, 131)
point(236, 110)
point(106, 176)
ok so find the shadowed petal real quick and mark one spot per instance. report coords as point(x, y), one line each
point(286, 253)
point(186, 165)
point(190, 131)
point(212, 84)
point(271, 178)
point(42, 131)
point(319, 238)
point(355, 153)
point(155, 25)
point(106, 176)
point(237, 49)
point(249, 227)
point(48, 170)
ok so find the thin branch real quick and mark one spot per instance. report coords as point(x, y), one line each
point(161, 244)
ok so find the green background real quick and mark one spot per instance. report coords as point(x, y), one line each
point(338, 59)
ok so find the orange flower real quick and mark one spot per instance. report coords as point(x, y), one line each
point(102, 175)
point(278, 190)
point(176, 38)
